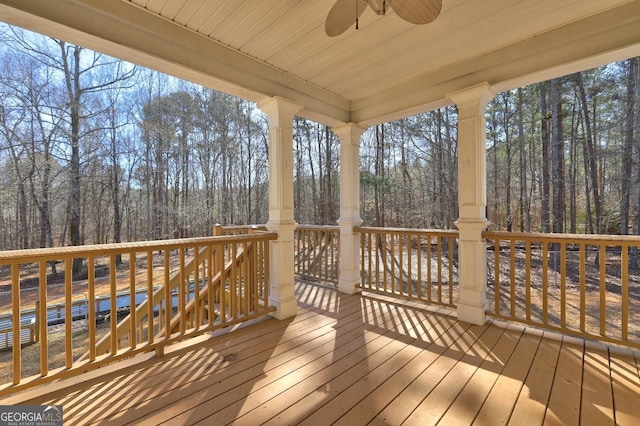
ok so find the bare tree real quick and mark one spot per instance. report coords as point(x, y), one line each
point(82, 74)
point(557, 157)
point(545, 165)
point(627, 156)
point(591, 156)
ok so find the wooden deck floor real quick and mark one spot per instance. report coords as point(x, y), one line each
point(355, 360)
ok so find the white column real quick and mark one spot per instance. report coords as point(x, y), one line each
point(349, 274)
point(280, 113)
point(472, 201)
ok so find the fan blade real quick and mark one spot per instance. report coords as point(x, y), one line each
point(417, 11)
point(343, 15)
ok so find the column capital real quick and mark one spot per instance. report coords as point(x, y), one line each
point(472, 99)
point(279, 110)
point(349, 133)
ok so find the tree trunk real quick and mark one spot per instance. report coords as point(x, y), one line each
point(21, 205)
point(115, 188)
point(635, 199)
point(379, 202)
point(573, 173)
point(74, 93)
point(525, 200)
point(627, 156)
point(332, 216)
point(546, 177)
point(591, 153)
point(507, 141)
point(557, 158)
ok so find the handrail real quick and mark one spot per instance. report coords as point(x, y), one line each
point(559, 238)
point(406, 231)
point(8, 257)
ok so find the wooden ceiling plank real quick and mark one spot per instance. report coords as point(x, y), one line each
point(189, 10)
point(154, 5)
point(286, 31)
point(171, 8)
point(257, 21)
point(235, 20)
point(216, 14)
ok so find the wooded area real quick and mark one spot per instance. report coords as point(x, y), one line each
point(96, 150)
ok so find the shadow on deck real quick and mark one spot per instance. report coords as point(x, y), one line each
point(357, 360)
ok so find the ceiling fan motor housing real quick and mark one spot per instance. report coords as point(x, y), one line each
point(379, 6)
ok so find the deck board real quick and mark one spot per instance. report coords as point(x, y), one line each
point(426, 375)
point(302, 374)
point(501, 400)
point(564, 402)
point(315, 339)
point(367, 409)
point(626, 387)
point(468, 403)
point(597, 399)
point(338, 386)
point(436, 404)
point(531, 405)
point(352, 359)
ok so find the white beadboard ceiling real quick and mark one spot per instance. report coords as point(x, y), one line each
point(384, 70)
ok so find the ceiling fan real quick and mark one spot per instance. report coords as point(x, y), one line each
point(345, 13)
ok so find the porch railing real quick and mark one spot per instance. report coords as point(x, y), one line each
point(420, 264)
point(316, 253)
point(159, 292)
point(586, 285)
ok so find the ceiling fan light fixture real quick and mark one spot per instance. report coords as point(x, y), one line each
point(379, 6)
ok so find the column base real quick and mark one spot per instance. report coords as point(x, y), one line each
point(348, 286)
point(472, 314)
point(349, 274)
point(284, 308)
